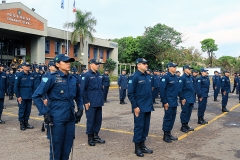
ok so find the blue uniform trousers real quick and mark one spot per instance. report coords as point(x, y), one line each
point(186, 112)
point(94, 119)
point(24, 109)
point(141, 126)
point(202, 106)
point(10, 90)
point(224, 99)
point(1, 106)
point(169, 118)
point(105, 92)
point(122, 93)
point(216, 92)
point(63, 134)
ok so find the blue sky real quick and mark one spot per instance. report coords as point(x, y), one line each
point(196, 19)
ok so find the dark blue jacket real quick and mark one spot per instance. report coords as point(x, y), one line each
point(216, 81)
point(202, 86)
point(61, 91)
point(3, 84)
point(235, 80)
point(10, 79)
point(24, 85)
point(186, 88)
point(225, 86)
point(156, 81)
point(81, 77)
point(106, 80)
point(122, 81)
point(140, 91)
point(169, 89)
point(91, 89)
point(37, 79)
point(195, 83)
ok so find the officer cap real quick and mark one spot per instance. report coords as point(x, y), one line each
point(94, 61)
point(50, 63)
point(149, 70)
point(84, 68)
point(216, 72)
point(187, 67)
point(177, 71)
point(170, 64)
point(226, 71)
point(26, 64)
point(141, 60)
point(194, 71)
point(64, 58)
point(37, 67)
point(124, 70)
point(1, 65)
point(203, 70)
point(106, 70)
point(156, 70)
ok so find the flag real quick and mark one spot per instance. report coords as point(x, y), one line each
point(62, 4)
point(74, 8)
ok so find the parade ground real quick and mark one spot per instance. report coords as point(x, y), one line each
point(218, 140)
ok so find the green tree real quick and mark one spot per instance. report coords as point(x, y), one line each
point(83, 27)
point(110, 64)
point(209, 46)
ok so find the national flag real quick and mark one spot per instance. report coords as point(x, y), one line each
point(74, 8)
point(62, 4)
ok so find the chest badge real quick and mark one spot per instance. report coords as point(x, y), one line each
point(62, 91)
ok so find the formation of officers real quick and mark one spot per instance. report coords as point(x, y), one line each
point(55, 91)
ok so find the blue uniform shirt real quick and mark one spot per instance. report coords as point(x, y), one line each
point(106, 80)
point(195, 83)
point(169, 89)
point(186, 88)
point(140, 91)
point(216, 81)
point(24, 85)
point(202, 86)
point(122, 81)
point(156, 81)
point(61, 90)
point(3, 84)
point(91, 89)
point(37, 79)
point(225, 86)
point(10, 78)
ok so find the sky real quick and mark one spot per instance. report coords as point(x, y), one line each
point(196, 19)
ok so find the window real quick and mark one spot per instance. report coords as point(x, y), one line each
point(47, 46)
point(56, 48)
point(88, 52)
point(76, 50)
point(95, 53)
point(108, 54)
point(67, 47)
point(101, 53)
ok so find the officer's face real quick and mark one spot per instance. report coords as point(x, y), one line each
point(1, 69)
point(64, 66)
point(11, 72)
point(37, 69)
point(188, 71)
point(204, 73)
point(172, 69)
point(216, 73)
point(94, 67)
point(123, 72)
point(106, 72)
point(143, 67)
point(194, 74)
point(26, 68)
point(227, 74)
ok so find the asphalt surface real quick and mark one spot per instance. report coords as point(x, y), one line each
point(219, 140)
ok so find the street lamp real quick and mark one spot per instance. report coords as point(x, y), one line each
point(162, 65)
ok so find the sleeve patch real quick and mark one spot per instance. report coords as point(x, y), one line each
point(45, 79)
point(130, 81)
point(223, 79)
point(16, 77)
point(83, 78)
point(180, 81)
point(163, 80)
point(199, 80)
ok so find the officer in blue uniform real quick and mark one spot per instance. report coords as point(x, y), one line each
point(82, 75)
point(202, 93)
point(37, 77)
point(10, 80)
point(225, 89)
point(3, 90)
point(156, 83)
point(168, 93)
point(216, 80)
point(187, 98)
point(106, 84)
point(140, 94)
point(194, 77)
point(59, 115)
point(23, 88)
point(91, 89)
point(238, 80)
point(122, 83)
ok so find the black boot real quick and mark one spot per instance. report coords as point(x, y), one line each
point(22, 125)
point(124, 102)
point(224, 109)
point(145, 149)
point(43, 127)
point(172, 137)
point(97, 139)
point(189, 128)
point(215, 100)
point(138, 150)
point(121, 102)
point(166, 137)
point(1, 121)
point(184, 128)
point(202, 121)
point(91, 140)
point(28, 126)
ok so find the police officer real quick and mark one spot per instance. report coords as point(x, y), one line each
point(156, 83)
point(37, 77)
point(61, 89)
point(225, 89)
point(168, 93)
point(178, 74)
point(235, 83)
point(140, 94)
point(106, 84)
point(216, 80)
point(91, 89)
point(187, 98)
point(23, 88)
point(194, 77)
point(122, 83)
point(202, 93)
point(10, 80)
point(3, 90)
point(82, 74)
point(238, 80)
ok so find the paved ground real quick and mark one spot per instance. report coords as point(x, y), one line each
point(219, 140)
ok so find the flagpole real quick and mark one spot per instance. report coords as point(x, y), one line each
point(67, 28)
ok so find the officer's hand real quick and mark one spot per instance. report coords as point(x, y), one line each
point(136, 111)
point(183, 102)
point(78, 115)
point(200, 99)
point(19, 100)
point(224, 93)
point(166, 106)
point(103, 87)
point(87, 106)
point(45, 102)
point(47, 119)
point(119, 87)
point(152, 88)
point(216, 87)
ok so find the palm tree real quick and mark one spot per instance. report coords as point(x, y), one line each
point(83, 27)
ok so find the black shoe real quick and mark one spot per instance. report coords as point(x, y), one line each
point(124, 102)
point(184, 128)
point(189, 128)
point(138, 150)
point(145, 149)
point(215, 100)
point(121, 102)
point(224, 109)
point(1, 121)
point(239, 101)
point(202, 121)
point(91, 140)
point(22, 126)
point(172, 137)
point(97, 139)
point(43, 127)
point(28, 126)
point(166, 137)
